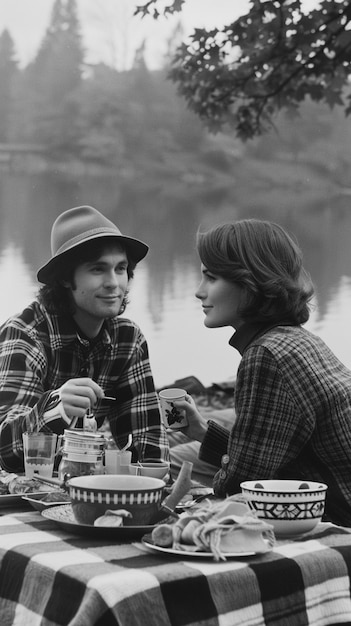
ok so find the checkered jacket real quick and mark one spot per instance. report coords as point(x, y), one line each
point(40, 351)
point(293, 418)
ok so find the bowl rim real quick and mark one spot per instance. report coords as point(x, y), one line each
point(314, 486)
point(152, 464)
point(128, 482)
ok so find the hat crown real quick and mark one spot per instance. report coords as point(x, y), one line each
point(77, 225)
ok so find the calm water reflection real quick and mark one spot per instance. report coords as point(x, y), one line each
point(162, 295)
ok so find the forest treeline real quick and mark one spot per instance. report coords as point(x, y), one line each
point(133, 120)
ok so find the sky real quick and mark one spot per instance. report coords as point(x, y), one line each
point(109, 30)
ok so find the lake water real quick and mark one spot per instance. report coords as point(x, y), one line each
point(162, 294)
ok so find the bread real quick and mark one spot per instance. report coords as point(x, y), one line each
point(112, 518)
point(162, 535)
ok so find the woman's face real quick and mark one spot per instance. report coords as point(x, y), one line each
point(220, 299)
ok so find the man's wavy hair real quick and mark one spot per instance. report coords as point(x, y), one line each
point(263, 259)
point(56, 297)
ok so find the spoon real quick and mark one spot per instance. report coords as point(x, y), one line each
point(128, 444)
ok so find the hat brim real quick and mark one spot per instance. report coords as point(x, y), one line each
point(136, 249)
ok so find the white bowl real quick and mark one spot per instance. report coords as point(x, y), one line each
point(156, 470)
point(92, 496)
point(291, 506)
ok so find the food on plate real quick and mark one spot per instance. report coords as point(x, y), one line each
point(56, 496)
point(16, 485)
point(162, 535)
point(21, 484)
point(219, 527)
point(112, 518)
point(3, 489)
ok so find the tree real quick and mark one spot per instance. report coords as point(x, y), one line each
point(8, 73)
point(59, 60)
point(101, 98)
point(54, 76)
point(268, 60)
point(174, 40)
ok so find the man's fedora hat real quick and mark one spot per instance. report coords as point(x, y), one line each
point(77, 226)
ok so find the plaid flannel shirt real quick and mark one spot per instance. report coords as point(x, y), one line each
point(293, 417)
point(40, 351)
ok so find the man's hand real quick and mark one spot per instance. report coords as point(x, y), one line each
point(78, 395)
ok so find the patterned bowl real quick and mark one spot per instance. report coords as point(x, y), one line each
point(291, 506)
point(92, 496)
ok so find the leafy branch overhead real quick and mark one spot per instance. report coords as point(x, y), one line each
point(268, 60)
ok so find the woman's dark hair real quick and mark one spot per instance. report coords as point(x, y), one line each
point(56, 297)
point(262, 258)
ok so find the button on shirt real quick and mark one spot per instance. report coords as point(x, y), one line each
point(39, 351)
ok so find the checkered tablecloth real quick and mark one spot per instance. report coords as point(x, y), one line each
point(49, 577)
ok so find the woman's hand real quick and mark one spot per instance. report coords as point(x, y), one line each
point(197, 424)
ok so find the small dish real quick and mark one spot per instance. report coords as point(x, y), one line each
point(14, 499)
point(38, 503)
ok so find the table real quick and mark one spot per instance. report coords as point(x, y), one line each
point(51, 577)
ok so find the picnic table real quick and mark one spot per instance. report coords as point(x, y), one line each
point(53, 577)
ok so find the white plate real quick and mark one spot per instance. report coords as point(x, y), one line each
point(64, 517)
point(232, 555)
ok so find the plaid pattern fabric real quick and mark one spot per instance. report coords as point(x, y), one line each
point(40, 351)
point(293, 418)
point(53, 578)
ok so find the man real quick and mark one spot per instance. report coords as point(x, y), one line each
point(69, 349)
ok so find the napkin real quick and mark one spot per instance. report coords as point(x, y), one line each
point(227, 526)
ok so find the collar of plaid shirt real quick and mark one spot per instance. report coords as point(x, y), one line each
point(248, 332)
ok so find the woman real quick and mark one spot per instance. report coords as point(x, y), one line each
point(292, 395)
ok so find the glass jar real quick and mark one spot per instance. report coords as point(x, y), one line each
point(79, 465)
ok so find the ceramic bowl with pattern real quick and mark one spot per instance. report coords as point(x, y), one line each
point(92, 496)
point(291, 506)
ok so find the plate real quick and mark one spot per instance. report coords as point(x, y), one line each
point(147, 541)
point(64, 517)
point(11, 499)
point(36, 500)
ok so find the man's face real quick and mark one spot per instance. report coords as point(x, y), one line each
point(98, 289)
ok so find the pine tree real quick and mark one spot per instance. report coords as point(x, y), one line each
point(8, 74)
point(55, 75)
